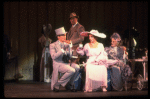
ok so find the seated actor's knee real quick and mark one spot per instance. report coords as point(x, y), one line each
point(72, 70)
point(77, 68)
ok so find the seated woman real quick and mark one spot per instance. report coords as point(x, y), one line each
point(116, 52)
point(96, 68)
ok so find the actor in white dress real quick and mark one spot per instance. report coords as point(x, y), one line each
point(96, 65)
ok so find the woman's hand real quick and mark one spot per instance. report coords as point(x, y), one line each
point(78, 49)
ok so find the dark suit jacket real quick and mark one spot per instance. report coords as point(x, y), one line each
point(74, 34)
point(75, 37)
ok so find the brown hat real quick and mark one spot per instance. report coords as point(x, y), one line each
point(73, 15)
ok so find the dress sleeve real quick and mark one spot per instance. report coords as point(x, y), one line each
point(82, 51)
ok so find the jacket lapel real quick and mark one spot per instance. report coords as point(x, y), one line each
point(72, 30)
point(57, 46)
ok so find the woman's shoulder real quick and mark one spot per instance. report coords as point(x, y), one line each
point(100, 44)
point(121, 48)
point(87, 44)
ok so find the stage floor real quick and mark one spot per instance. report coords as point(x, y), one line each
point(23, 89)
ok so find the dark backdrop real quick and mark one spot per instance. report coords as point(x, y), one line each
point(23, 24)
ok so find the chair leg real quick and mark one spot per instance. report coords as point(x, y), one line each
point(126, 85)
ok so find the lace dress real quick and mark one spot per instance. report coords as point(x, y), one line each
point(96, 69)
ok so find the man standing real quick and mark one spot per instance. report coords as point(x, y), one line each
point(57, 50)
point(74, 33)
point(75, 38)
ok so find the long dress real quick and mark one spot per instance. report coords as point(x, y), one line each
point(96, 74)
point(116, 70)
point(45, 63)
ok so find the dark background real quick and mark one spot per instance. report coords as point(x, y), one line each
point(23, 24)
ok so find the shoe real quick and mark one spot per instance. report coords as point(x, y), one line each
point(56, 87)
point(73, 90)
point(104, 89)
point(55, 90)
point(67, 87)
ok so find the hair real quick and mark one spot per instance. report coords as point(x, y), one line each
point(94, 36)
point(116, 36)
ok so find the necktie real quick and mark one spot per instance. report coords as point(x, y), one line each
point(62, 45)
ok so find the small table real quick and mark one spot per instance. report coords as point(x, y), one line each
point(140, 78)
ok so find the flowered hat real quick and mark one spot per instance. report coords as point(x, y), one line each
point(116, 36)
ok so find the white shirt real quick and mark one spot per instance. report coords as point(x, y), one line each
point(74, 24)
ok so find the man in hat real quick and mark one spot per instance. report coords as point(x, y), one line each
point(74, 33)
point(57, 50)
point(74, 36)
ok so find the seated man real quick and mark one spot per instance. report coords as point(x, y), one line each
point(57, 50)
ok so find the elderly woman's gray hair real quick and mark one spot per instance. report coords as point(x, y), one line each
point(116, 36)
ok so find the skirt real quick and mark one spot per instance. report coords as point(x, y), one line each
point(96, 76)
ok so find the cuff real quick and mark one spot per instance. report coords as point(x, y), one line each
point(63, 50)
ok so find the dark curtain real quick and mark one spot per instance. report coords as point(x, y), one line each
point(23, 24)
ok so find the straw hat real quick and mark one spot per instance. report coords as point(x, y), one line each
point(93, 32)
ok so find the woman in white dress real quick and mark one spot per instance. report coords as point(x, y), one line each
point(96, 68)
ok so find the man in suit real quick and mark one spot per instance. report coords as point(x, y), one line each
point(75, 38)
point(57, 50)
point(74, 33)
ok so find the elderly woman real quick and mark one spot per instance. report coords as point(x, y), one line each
point(116, 52)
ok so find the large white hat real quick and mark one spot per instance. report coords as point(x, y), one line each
point(60, 31)
point(93, 32)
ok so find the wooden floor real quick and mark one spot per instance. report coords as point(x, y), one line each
point(42, 90)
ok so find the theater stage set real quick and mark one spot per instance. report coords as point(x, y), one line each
point(23, 23)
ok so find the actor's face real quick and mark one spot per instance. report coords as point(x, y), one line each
point(92, 38)
point(114, 43)
point(62, 38)
point(73, 21)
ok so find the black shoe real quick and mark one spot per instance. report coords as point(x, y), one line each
point(55, 90)
point(67, 88)
point(73, 90)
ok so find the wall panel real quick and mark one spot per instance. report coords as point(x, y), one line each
point(32, 26)
point(108, 16)
point(24, 37)
point(124, 15)
point(6, 18)
point(100, 19)
point(14, 27)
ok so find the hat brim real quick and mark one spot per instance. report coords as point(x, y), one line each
point(101, 35)
point(74, 57)
point(62, 34)
point(85, 33)
point(74, 17)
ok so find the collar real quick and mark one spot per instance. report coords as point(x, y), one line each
point(59, 42)
point(74, 24)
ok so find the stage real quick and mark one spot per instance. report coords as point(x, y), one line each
point(30, 89)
